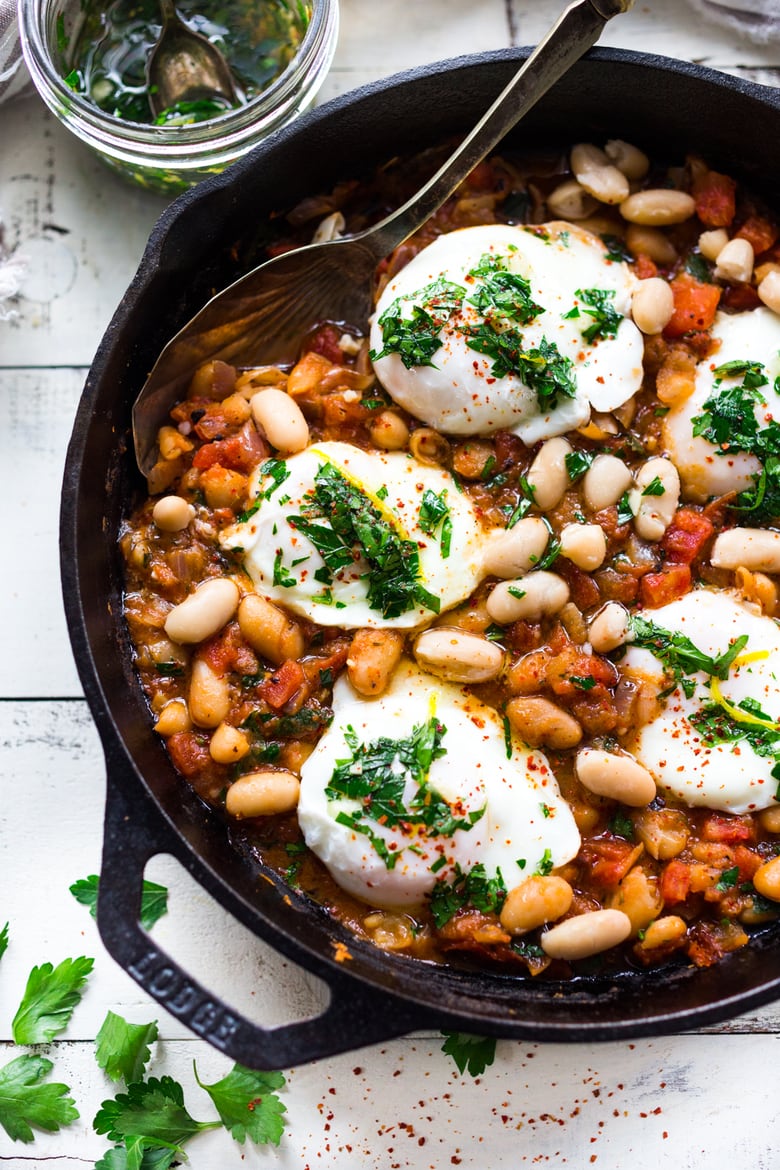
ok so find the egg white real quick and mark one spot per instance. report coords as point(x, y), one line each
point(730, 777)
point(704, 469)
point(458, 393)
point(524, 811)
point(270, 543)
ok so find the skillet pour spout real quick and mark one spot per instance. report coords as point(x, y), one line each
point(669, 108)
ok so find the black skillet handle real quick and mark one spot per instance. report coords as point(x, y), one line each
point(354, 1017)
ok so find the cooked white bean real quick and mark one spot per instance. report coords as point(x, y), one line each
point(652, 305)
point(654, 511)
point(541, 723)
point(571, 201)
point(459, 656)
point(762, 270)
point(527, 598)
point(769, 291)
point(373, 656)
point(605, 481)
point(228, 744)
point(616, 777)
point(208, 698)
point(263, 794)
point(586, 934)
point(600, 178)
point(752, 548)
point(712, 243)
point(513, 551)
point(269, 630)
point(172, 513)
point(173, 718)
point(652, 242)
point(585, 545)
point(658, 207)
point(281, 418)
point(389, 431)
point(537, 900)
point(629, 159)
point(329, 228)
point(735, 261)
point(204, 612)
point(766, 879)
point(609, 628)
point(547, 475)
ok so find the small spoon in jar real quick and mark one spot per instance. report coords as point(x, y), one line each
point(184, 66)
point(260, 319)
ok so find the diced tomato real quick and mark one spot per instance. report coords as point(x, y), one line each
point(644, 267)
point(748, 862)
point(741, 297)
point(759, 232)
point(189, 752)
point(608, 859)
point(483, 177)
point(227, 651)
point(675, 882)
point(686, 536)
point(671, 582)
point(728, 830)
point(583, 589)
point(241, 452)
point(279, 688)
point(714, 196)
point(695, 304)
point(710, 941)
point(325, 341)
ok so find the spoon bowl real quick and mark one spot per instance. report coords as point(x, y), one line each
point(185, 66)
point(256, 320)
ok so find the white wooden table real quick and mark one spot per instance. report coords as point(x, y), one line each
point(708, 1097)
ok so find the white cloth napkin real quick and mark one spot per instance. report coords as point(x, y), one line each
point(757, 19)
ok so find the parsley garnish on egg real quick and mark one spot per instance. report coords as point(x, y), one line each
point(415, 339)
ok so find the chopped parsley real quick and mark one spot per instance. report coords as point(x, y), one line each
point(355, 527)
point(717, 725)
point(544, 369)
point(281, 576)
point(621, 825)
point(728, 879)
point(596, 303)
point(508, 745)
point(546, 864)
point(434, 510)
point(472, 887)
point(680, 656)
point(417, 338)
point(577, 463)
point(625, 513)
point(616, 248)
point(654, 488)
point(582, 682)
point(375, 776)
point(504, 296)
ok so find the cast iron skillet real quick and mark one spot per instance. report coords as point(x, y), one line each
point(669, 108)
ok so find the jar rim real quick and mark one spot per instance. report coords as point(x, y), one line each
point(228, 132)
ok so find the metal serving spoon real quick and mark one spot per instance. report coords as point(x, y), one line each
point(260, 319)
point(184, 66)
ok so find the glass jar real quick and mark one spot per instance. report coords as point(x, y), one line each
point(171, 158)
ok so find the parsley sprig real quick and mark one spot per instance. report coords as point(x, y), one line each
point(355, 527)
point(154, 898)
point(596, 303)
point(26, 1103)
point(472, 1054)
point(544, 368)
point(49, 998)
point(471, 887)
point(416, 338)
point(504, 296)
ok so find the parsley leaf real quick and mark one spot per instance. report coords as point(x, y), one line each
point(678, 654)
point(654, 488)
point(596, 302)
point(3, 940)
point(545, 865)
point(126, 1157)
point(505, 296)
point(544, 369)
point(577, 463)
point(416, 339)
point(728, 879)
point(471, 1054)
point(471, 887)
point(123, 1049)
point(49, 998)
point(154, 899)
point(281, 575)
point(26, 1103)
point(434, 511)
point(715, 725)
point(150, 1113)
point(248, 1105)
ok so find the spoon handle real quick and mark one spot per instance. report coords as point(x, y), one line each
point(577, 30)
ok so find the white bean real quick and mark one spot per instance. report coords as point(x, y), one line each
point(389, 431)
point(585, 545)
point(594, 171)
point(263, 794)
point(735, 261)
point(605, 481)
point(513, 551)
point(172, 513)
point(571, 201)
point(547, 475)
point(769, 291)
point(652, 305)
point(712, 243)
point(173, 718)
point(658, 207)
point(586, 934)
point(629, 159)
point(281, 418)
point(616, 777)
point(609, 628)
point(269, 630)
point(654, 513)
point(204, 612)
point(228, 744)
point(650, 242)
point(527, 598)
point(751, 548)
point(208, 698)
point(458, 656)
